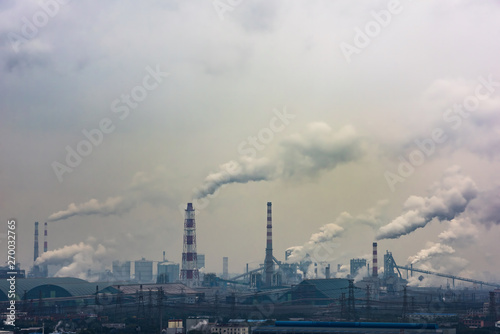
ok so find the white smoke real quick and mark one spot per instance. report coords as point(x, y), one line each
point(243, 171)
point(199, 326)
point(317, 149)
point(144, 188)
point(321, 247)
point(343, 272)
point(76, 260)
point(433, 249)
point(448, 198)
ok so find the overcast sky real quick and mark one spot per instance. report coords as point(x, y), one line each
point(360, 121)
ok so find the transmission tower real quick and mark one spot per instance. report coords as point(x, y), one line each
point(368, 304)
point(404, 313)
point(492, 309)
point(351, 310)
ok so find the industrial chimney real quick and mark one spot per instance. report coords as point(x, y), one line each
point(35, 253)
point(225, 267)
point(45, 269)
point(189, 272)
point(268, 262)
point(375, 266)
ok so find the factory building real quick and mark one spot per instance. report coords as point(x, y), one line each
point(304, 327)
point(168, 272)
point(356, 265)
point(321, 292)
point(143, 271)
point(225, 267)
point(121, 271)
point(200, 261)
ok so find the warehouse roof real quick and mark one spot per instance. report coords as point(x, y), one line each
point(60, 286)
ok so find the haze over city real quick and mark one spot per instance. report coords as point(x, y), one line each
point(369, 122)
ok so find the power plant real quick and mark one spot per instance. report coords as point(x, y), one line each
point(305, 287)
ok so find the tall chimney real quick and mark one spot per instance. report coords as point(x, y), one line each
point(268, 262)
point(45, 268)
point(225, 267)
point(189, 272)
point(45, 238)
point(327, 272)
point(35, 253)
point(375, 266)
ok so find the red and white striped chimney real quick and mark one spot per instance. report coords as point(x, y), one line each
point(375, 266)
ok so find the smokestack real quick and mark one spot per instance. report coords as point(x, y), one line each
point(45, 268)
point(268, 262)
point(45, 238)
point(375, 266)
point(189, 272)
point(163, 256)
point(225, 267)
point(327, 271)
point(35, 253)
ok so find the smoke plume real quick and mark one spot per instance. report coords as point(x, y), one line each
point(144, 188)
point(448, 198)
point(307, 154)
point(320, 246)
point(433, 249)
point(75, 260)
point(243, 171)
point(199, 326)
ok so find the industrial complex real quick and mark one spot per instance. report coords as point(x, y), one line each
point(278, 296)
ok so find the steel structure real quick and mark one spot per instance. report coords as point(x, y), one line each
point(268, 262)
point(189, 272)
point(453, 277)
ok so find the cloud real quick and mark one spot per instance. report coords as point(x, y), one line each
point(460, 231)
point(300, 155)
point(485, 209)
point(447, 199)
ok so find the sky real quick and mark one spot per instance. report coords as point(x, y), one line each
point(360, 121)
